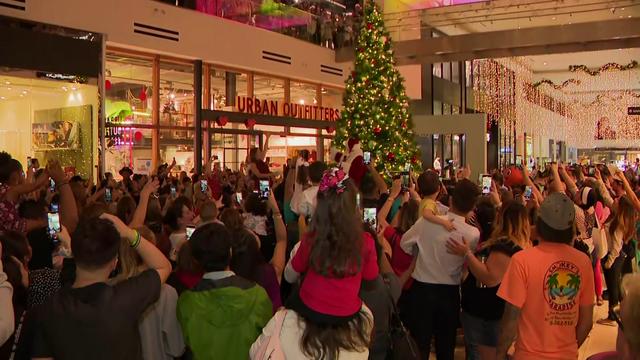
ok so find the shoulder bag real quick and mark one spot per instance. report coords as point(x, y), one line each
point(270, 349)
point(600, 243)
point(402, 346)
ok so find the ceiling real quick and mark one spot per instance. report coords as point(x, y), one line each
point(497, 15)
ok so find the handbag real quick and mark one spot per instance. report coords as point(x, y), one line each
point(271, 349)
point(600, 243)
point(401, 345)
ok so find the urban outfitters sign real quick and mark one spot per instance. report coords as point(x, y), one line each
point(275, 108)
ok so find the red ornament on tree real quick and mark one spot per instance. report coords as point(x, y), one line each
point(330, 129)
point(369, 26)
point(377, 130)
point(414, 159)
point(143, 94)
point(107, 85)
point(250, 123)
point(404, 125)
point(391, 156)
point(222, 120)
point(137, 136)
point(354, 74)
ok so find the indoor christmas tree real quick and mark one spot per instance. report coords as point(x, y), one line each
point(375, 106)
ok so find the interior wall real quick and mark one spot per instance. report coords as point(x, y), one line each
point(473, 126)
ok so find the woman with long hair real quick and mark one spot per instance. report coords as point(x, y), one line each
point(327, 319)
point(620, 231)
point(481, 307)
point(178, 216)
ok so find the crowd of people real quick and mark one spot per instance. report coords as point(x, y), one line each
point(253, 264)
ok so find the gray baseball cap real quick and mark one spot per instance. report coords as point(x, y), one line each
point(558, 211)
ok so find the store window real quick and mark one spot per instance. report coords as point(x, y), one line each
point(268, 88)
point(129, 112)
point(225, 87)
point(49, 119)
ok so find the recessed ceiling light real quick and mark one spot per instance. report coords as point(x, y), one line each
point(629, 16)
point(7, 82)
point(553, 18)
point(9, 88)
point(74, 88)
point(2, 97)
point(64, 88)
point(24, 91)
point(544, 63)
point(21, 95)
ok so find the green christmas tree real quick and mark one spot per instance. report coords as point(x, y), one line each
point(375, 106)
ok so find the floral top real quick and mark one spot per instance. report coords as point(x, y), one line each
point(9, 217)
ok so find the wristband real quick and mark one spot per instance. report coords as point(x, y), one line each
point(58, 186)
point(136, 242)
point(468, 253)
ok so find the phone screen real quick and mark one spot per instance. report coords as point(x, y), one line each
point(407, 167)
point(203, 186)
point(53, 221)
point(592, 171)
point(370, 217)
point(174, 193)
point(528, 192)
point(264, 189)
point(405, 180)
point(107, 195)
point(486, 184)
point(52, 185)
point(366, 157)
point(54, 207)
point(190, 230)
point(239, 197)
point(358, 204)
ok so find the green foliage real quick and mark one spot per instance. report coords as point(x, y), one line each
point(376, 108)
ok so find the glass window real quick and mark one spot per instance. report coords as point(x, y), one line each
point(455, 72)
point(49, 119)
point(437, 70)
point(268, 88)
point(303, 94)
point(331, 98)
point(176, 94)
point(129, 102)
point(226, 83)
point(446, 71)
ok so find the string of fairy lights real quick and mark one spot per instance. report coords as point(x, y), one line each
point(591, 105)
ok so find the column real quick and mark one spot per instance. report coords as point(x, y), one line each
point(197, 99)
point(155, 113)
point(319, 139)
point(206, 100)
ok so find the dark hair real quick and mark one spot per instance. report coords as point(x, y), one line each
point(367, 185)
point(14, 244)
point(302, 174)
point(323, 341)
point(428, 183)
point(549, 234)
point(185, 260)
point(8, 166)
point(408, 215)
point(498, 178)
point(232, 220)
point(335, 242)
point(485, 216)
point(32, 209)
point(174, 212)
point(246, 258)
point(591, 199)
point(125, 209)
point(254, 205)
point(211, 247)
point(76, 178)
point(95, 243)
point(252, 155)
point(316, 170)
point(465, 195)
point(623, 219)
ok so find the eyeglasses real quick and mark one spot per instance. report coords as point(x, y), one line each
point(617, 319)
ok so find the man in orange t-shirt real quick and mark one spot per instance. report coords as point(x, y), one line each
point(548, 290)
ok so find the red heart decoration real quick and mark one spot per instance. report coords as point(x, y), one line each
point(143, 94)
point(250, 123)
point(222, 120)
point(138, 136)
point(107, 85)
point(330, 129)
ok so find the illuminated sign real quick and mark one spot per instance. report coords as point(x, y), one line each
point(288, 109)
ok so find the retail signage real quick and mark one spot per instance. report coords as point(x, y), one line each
point(288, 109)
point(61, 77)
point(633, 110)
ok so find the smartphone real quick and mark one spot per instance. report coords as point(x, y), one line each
point(52, 185)
point(370, 217)
point(407, 167)
point(366, 157)
point(358, 203)
point(527, 192)
point(54, 208)
point(190, 230)
point(203, 186)
point(239, 197)
point(174, 192)
point(28, 162)
point(107, 195)
point(405, 180)
point(592, 171)
point(486, 184)
point(264, 189)
point(53, 222)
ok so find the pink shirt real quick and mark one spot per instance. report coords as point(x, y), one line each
point(334, 296)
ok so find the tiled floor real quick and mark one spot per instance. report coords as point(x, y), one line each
point(602, 338)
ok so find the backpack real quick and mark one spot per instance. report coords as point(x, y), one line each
point(270, 349)
point(600, 242)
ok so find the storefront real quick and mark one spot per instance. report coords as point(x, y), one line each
point(51, 106)
point(49, 103)
point(240, 109)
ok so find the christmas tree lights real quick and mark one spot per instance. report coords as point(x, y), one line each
point(375, 106)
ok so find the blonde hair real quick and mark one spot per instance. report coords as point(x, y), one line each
point(129, 262)
point(513, 223)
point(631, 311)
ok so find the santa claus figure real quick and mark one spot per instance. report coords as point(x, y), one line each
point(354, 162)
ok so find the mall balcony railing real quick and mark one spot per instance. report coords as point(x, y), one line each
point(328, 23)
